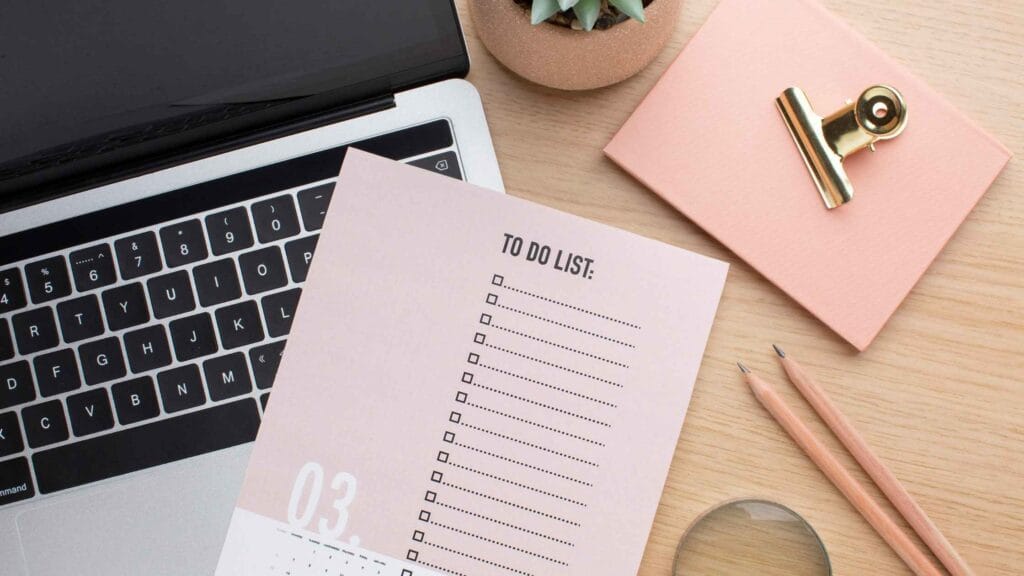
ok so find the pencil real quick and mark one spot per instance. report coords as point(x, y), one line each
point(876, 469)
point(833, 469)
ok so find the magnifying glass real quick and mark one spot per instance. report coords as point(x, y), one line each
point(751, 537)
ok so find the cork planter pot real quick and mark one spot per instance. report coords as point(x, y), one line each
point(568, 59)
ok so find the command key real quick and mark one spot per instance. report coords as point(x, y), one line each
point(15, 481)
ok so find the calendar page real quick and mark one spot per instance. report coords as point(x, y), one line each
point(474, 385)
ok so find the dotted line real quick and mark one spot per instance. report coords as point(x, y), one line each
point(509, 546)
point(500, 457)
point(562, 347)
point(471, 557)
point(517, 484)
point(496, 521)
point(545, 362)
point(524, 443)
point(550, 321)
point(569, 434)
point(541, 404)
point(512, 504)
point(570, 306)
point(546, 385)
point(441, 568)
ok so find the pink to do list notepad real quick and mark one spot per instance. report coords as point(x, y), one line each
point(474, 385)
point(709, 140)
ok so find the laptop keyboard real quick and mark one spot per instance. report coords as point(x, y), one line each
point(151, 332)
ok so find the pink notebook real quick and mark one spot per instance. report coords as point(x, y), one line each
point(710, 141)
point(473, 385)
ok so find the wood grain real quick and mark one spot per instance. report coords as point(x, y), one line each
point(938, 395)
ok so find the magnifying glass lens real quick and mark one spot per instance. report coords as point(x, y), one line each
point(751, 537)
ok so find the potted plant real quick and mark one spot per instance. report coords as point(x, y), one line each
point(575, 44)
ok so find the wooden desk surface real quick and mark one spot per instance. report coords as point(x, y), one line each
point(939, 394)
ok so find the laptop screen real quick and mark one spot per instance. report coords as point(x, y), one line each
point(74, 70)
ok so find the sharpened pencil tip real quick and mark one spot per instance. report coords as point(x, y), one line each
point(779, 351)
point(743, 368)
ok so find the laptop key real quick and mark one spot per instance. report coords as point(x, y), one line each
point(15, 481)
point(35, 330)
point(183, 243)
point(279, 311)
point(446, 163)
point(135, 400)
point(6, 344)
point(125, 306)
point(48, 279)
point(138, 255)
point(217, 282)
point(263, 270)
point(313, 203)
point(101, 360)
point(181, 388)
point(57, 372)
point(10, 435)
point(16, 384)
point(12, 292)
point(275, 218)
point(229, 231)
point(193, 337)
point(239, 324)
point(92, 267)
point(167, 440)
point(90, 412)
point(80, 318)
point(147, 349)
point(45, 423)
point(264, 398)
point(265, 360)
point(227, 376)
point(171, 294)
point(300, 254)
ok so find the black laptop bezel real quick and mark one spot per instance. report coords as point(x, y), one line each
point(277, 119)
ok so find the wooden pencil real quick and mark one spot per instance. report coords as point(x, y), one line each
point(847, 484)
point(876, 469)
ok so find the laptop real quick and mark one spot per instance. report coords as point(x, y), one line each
point(165, 169)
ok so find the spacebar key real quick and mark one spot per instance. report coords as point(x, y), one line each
point(146, 446)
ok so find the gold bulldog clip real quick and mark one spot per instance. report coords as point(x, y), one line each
point(878, 114)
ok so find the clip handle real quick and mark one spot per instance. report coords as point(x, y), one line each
point(823, 163)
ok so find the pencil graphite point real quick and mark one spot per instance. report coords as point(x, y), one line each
point(743, 368)
point(779, 351)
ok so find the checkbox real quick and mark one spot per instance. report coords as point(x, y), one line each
point(492, 298)
point(449, 437)
point(424, 516)
point(455, 417)
point(406, 572)
point(436, 476)
point(467, 377)
point(498, 280)
point(485, 319)
point(417, 536)
point(461, 397)
point(473, 358)
point(442, 457)
point(479, 338)
point(431, 496)
point(412, 555)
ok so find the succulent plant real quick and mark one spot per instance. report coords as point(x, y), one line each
point(586, 12)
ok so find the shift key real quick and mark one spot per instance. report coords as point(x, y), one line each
point(15, 481)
